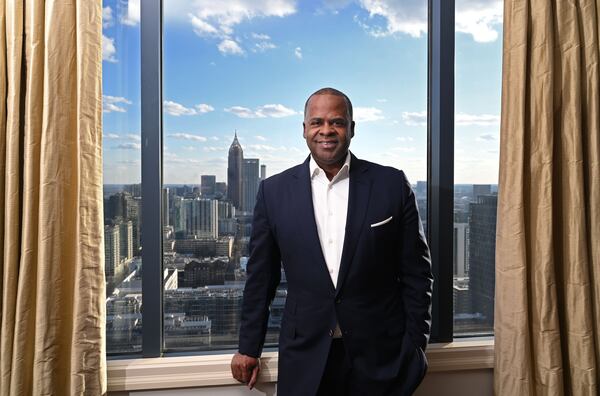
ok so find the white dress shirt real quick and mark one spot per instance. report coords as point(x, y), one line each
point(330, 202)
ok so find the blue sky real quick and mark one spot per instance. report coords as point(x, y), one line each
point(248, 66)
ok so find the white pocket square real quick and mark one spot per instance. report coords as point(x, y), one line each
point(382, 222)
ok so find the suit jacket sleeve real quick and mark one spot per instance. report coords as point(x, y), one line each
point(263, 275)
point(415, 270)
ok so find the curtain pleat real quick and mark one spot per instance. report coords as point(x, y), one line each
point(52, 330)
point(547, 250)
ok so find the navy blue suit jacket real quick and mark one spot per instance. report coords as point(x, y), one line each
point(383, 295)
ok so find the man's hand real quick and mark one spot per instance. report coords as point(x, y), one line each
point(245, 369)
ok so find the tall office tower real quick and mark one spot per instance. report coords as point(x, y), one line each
point(263, 172)
point(220, 190)
point(461, 249)
point(133, 212)
point(115, 206)
point(126, 240)
point(203, 218)
point(481, 189)
point(165, 206)
point(250, 181)
point(226, 210)
point(421, 190)
point(482, 250)
point(208, 186)
point(111, 250)
point(234, 173)
point(179, 214)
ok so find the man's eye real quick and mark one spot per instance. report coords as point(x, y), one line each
point(315, 123)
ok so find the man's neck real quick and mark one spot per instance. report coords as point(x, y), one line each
point(332, 169)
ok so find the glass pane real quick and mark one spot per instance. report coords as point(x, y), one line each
point(236, 77)
point(477, 125)
point(122, 174)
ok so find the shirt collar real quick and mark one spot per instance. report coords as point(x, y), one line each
point(344, 170)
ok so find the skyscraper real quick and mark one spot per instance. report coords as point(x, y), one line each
point(234, 172)
point(208, 186)
point(250, 180)
point(202, 217)
point(126, 240)
point(111, 249)
point(263, 172)
point(482, 250)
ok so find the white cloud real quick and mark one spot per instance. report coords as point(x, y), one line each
point(242, 112)
point(107, 17)
point(479, 18)
point(275, 111)
point(204, 108)
point(486, 137)
point(215, 138)
point(136, 138)
point(260, 36)
point(268, 110)
point(383, 100)
point(218, 19)
point(129, 146)
point(416, 118)
point(187, 136)
point(177, 109)
point(230, 47)
point(261, 138)
point(298, 52)
point(214, 148)
point(366, 114)
point(476, 119)
point(419, 118)
point(110, 136)
point(405, 139)
point(263, 46)
point(108, 49)
point(113, 104)
point(404, 149)
point(131, 15)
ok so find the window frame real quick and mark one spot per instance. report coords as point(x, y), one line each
point(440, 168)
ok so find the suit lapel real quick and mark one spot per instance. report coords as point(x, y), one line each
point(358, 201)
point(307, 226)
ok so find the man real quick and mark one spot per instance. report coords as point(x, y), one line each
point(357, 315)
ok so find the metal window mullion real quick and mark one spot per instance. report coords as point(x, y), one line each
point(151, 105)
point(440, 169)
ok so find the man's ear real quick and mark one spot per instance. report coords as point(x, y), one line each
point(352, 129)
point(304, 130)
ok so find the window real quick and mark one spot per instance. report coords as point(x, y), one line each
point(234, 84)
point(219, 104)
point(477, 126)
point(122, 175)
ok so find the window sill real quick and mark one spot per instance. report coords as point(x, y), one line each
point(212, 370)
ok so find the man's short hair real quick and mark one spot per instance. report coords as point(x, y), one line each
point(330, 91)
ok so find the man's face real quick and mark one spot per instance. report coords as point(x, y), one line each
point(328, 129)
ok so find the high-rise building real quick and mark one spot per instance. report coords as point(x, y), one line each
point(126, 240)
point(235, 161)
point(165, 206)
point(482, 250)
point(208, 186)
point(202, 217)
point(112, 250)
point(461, 251)
point(481, 189)
point(250, 181)
point(263, 172)
point(221, 190)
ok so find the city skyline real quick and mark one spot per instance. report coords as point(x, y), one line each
point(249, 70)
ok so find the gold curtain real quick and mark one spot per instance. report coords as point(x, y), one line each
point(51, 235)
point(548, 234)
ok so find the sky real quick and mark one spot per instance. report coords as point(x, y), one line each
point(247, 67)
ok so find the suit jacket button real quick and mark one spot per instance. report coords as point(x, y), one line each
point(330, 332)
